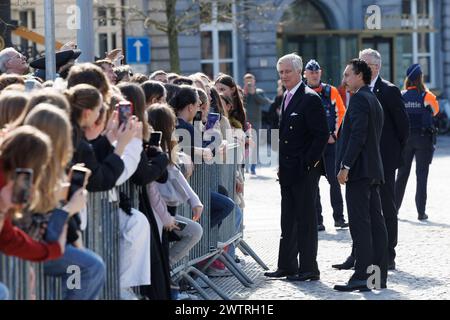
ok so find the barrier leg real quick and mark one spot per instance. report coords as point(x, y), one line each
point(239, 270)
point(194, 283)
point(246, 248)
point(235, 271)
point(211, 284)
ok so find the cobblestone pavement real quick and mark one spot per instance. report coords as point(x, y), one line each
point(423, 255)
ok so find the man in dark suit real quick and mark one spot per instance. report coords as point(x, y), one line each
point(361, 169)
point(303, 138)
point(393, 141)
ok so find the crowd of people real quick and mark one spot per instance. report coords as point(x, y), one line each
point(110, 125)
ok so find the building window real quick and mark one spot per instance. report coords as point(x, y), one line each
point(102, 16)
point(108, 29)
point(102, 43)
point(218, 38)
point(419, 46)
point(26, 18)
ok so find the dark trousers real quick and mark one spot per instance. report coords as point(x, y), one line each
point(299, 225)
point(421, 147)
point(367, 228)
point(335, 188)
point(390, 211)
point(221, 207)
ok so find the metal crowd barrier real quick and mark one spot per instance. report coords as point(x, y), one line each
point(14, 274)
point(102, 236)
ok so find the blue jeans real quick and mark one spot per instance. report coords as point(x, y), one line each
point(238, 216)
point(221, 207)
point(3, 292)
point(92, 273)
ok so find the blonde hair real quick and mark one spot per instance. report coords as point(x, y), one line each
point(51, 96)
point(56, 124)
point(38, 148)
point(13, 107)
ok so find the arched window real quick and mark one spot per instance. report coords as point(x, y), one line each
point(300, 16)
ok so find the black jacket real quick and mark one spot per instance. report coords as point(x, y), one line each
point(152, 166)
point(105, 165)
point(303, 135)
point(359, 137)
point(396, 124)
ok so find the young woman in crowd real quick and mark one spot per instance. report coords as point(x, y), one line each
point(13, 106)
point(154, 92)
point(14, 241)
point(152, 166)
point(56, 124)
point(162, 118)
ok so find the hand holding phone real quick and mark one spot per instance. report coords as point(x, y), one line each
point(78, 179)
point(23, 182)
point(125, 111)
point(155, 138)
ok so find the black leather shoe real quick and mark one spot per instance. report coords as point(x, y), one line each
point(280, 273)
point(423, 216)
point(340, 224)
point(320, 227)
point(347, 265)
point(353, 285)
point(305, 276)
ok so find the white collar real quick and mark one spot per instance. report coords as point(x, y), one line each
point(372, 84)
point(294, 89)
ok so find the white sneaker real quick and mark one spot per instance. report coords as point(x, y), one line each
point(127, 294)
point(214, 272)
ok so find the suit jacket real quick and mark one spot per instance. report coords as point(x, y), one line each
point(396, 124)
point(359, 138)
point(303, 135)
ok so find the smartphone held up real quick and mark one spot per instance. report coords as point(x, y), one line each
point(125, 111)
point(23, 182)
point(78, 179)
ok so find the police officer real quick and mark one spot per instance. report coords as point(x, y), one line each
point(421, 106)
point(335, 110)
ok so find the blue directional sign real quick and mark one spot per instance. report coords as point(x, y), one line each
point(138, 50)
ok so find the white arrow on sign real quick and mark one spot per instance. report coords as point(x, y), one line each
point(138, 45)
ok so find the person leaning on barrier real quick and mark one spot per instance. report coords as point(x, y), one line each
point(14, 241)
point(421, 106)
point(55, 122)
point(162, 118)
point(186, 104)
point(152, 166)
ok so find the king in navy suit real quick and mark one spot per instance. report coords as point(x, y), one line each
point(303, 138)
